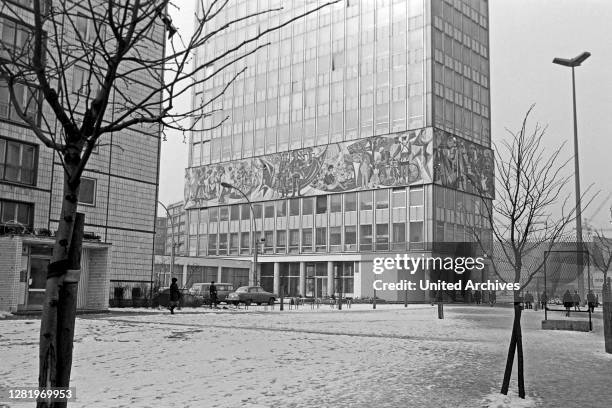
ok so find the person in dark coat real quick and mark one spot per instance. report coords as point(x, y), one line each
point(213, 295)
point(528, 300)
point(175, 295)
point(592, 301)
point(544, 300)
point(568, 302)
point(576, 299)
point(477, 297)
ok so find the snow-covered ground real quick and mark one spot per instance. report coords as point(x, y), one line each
point(388, 357)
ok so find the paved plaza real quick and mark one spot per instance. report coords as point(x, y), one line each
point(388, 357)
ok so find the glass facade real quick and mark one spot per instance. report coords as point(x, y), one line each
point(347, 132)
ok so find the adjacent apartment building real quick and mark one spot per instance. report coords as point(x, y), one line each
point(118, 191)
point(361, 131)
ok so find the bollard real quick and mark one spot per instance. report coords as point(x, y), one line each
point(374, 300)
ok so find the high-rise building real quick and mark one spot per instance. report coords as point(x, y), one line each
point(361, 131)
point(118, 191)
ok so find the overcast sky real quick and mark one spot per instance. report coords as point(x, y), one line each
point(525, 35)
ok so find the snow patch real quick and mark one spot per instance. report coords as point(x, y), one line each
point(512, 400)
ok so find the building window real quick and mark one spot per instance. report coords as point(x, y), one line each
point(212, 244)
point(223, 213)
point(321, 204)
point(336, 203)
point(234, 212)
point(382, 199)
point(245, 243)
point(257, 211)
point(307, 206)
point(399, 198)
point(29, 101)
point(223, 243)
point(269, 210)
point(335, 238)
point(289, 275)
point(281, 208)
point(245, 212)
point(350, 237)
point(399, 235)
point(320, 239)
point(416, 232)
point(350, 202)
point(365, 237)
point(294, 240)
point(18, 162)
point(365, 200)
point(87, 191)
point(79, 81)
point(307, 240)
point(294, 206)
point(12, 212)
point(281, 241)
point(234, 241)
point(214, 214)
point(268, 242)
point(382, 237)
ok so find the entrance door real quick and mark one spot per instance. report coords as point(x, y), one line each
point(37, 281)
point(320, 286)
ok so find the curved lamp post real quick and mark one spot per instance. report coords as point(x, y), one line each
point(573, 63)
point(253, 230)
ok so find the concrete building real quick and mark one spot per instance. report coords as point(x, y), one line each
point(118, 190)
point(192, 269)
point(361, 131)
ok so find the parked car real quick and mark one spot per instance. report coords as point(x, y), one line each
point(202, 290)
point(251, 294)
point(162, 298)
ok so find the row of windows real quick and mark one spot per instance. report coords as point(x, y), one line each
point(350, 238)
point(371, 226)
point(18, 164)
point(333, 203)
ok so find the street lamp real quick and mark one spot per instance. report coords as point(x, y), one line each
point(573, 63)
point(253, 230)
point(173, 251)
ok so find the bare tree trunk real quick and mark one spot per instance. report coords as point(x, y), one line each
point(519, 349)
point(67, 307)
point(606, 295)
point(510, 358)
point(60, 263)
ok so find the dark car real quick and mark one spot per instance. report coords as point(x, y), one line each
point(162, 298)
point(251, 294)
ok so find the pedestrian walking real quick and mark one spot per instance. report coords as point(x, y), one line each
point(528, 300)
point(591, 300)
point(477, 297)
point(568, 301)
point(576, 300)
point(175, 295)
point(213, 295)
point(492, 298)
point(544, 300)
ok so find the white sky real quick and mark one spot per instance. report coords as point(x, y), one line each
point(525, 35)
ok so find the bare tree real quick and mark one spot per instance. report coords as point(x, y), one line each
point(521, 219)
point(601, 256)
point(74, 63)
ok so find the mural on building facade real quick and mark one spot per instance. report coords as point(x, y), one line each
point(382, 161)
point(463, 165)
